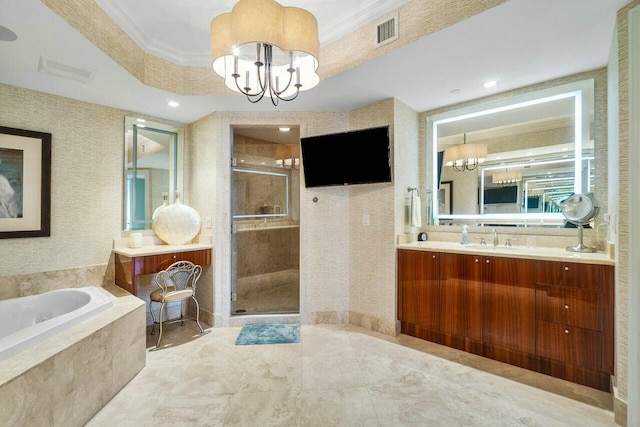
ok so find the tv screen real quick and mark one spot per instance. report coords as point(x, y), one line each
point(501, 195)
point(347, 158)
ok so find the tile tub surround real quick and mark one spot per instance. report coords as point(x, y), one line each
point(341, 375)
point(65, 380)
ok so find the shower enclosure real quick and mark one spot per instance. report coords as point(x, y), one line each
point(266, 229)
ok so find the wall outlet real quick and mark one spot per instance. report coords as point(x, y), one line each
point(366, 219)
point(208, 222)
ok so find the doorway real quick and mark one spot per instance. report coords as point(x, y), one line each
point(265, 207)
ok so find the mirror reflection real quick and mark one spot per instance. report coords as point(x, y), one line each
point(260, 194)
point(516, 161)
point(151, 170)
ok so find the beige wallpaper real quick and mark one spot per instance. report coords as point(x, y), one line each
point(622, 260)
point(86, 181)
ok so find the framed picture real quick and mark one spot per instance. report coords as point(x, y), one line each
point(445, 198)
point(25, 183)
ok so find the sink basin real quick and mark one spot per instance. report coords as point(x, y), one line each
point(491, 248)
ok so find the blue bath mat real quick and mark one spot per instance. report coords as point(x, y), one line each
point(269, 334)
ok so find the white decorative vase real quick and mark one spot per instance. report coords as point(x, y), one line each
point(176, 224)
point(165, 203)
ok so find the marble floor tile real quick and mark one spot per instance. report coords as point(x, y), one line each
point(339, 375)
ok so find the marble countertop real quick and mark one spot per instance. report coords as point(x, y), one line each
point(527, 252)
point(160, 249)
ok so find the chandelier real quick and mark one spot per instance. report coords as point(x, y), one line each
point(506, 177)
point(262, 48)
point(465, 157)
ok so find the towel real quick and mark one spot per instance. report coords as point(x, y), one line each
point(416, 216)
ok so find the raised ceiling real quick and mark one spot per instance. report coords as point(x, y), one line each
point(518, 42)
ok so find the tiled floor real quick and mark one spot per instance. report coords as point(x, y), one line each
point(339, 375)
point(277, 300)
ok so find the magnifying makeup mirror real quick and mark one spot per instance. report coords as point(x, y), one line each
point(579, 209)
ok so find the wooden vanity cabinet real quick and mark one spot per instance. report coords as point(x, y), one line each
point(439, 298)
point(419, 295)
point(508, 306)
point(461, 298)
point(574, 304)
point(552, 317)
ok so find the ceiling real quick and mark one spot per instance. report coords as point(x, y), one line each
point(518, 43)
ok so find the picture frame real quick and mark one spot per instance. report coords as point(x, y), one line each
point(445, 198)
point(25, 183)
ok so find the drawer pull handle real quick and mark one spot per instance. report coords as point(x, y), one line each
point(566, 331)
point(566, 306)
point(476, 259)
point(487, 261)
point(433, 256)
point(566, 268)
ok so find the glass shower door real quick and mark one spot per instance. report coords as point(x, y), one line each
point(265, 239)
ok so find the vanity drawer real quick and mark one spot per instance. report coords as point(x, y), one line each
point(587, 276)
point(576, 346)
point(569, 306)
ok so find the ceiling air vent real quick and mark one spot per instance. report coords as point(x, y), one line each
point(56, 68)
point(386, 30)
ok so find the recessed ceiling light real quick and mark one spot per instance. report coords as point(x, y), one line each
point(490, 83)
point(284, 129)
point(173, 104)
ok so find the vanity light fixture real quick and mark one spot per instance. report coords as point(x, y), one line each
point(288, 156)
point(465, 157)
point(284, 129)
point(262, 48)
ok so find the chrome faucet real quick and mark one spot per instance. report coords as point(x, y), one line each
point(495, 237)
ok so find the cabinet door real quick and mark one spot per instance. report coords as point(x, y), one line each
point(576, 346)
point(418, 278)
point(587, 276)
point(461, 285)
point(571, 306)
point(508, 304)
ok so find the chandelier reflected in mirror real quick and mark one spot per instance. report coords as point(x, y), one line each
point(263, 48)
point(465, 157)
point(507, 177)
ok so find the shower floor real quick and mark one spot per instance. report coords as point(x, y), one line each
point(282, 299)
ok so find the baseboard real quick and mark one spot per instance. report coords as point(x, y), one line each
point(619, 409)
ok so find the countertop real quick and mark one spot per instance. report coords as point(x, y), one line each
point(160, 249)
point(527, 252)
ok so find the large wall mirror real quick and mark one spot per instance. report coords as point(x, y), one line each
point(536, 150)
point(152, 169)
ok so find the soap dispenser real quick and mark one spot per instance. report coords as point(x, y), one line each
point(464, 239)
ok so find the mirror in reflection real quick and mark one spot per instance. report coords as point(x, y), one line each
point(260, 194)
point(151, 170)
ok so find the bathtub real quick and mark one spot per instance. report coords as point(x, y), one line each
point(27, 321)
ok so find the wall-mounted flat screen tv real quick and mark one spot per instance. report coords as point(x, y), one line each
point(347, 158)
point(501, 195)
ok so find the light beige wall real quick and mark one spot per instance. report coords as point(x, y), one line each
point(622, 223)
point(86, 185)
point(372, 247)
point(406, 165)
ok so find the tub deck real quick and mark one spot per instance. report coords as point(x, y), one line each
point(88, 363)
